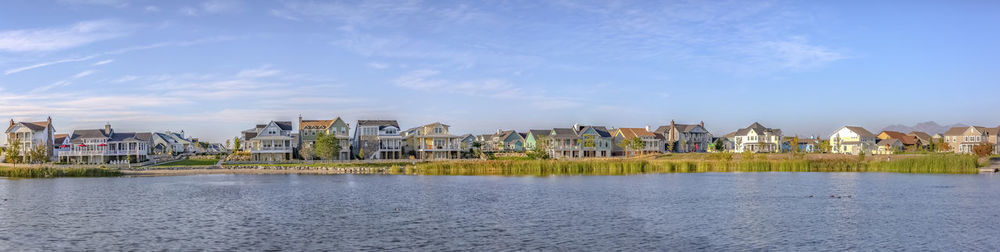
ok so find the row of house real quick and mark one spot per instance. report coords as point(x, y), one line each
point(102, 145)
point(855, 140)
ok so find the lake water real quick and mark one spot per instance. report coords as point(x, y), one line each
point(704, 211)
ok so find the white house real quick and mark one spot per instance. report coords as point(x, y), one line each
point(757, 138)
point(32, 135)
point(101, 146)
point(273, 141)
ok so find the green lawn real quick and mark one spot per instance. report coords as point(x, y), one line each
point(192, 162)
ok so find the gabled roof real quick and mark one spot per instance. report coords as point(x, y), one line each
point(860, 131)
point(921, 135)
point(904, 138)
point(33, 126)
point(59, 138)
point(955, 131)
point(284, 125)
point(756, 127)
point(538, 132)
point(629, 133)
point(563, 133)
point(600, 130)
point(323, 124)
point(378, 123)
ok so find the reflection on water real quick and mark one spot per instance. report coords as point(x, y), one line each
point(714, 211)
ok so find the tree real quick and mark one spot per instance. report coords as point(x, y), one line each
point(942, 146)
point(541, 150)
point(983, 149)
point(589, 141)
point(719, 145)
point(37, 154)
point(795, 144)
point(624, 144)
point(236, 143)
point(637, 144)
point(683, 145)
point(14, 151)
point(670, 146)
point(824, 146)
point(361, 154)
point(327, 146)
point(227, 143)
point(306, 152)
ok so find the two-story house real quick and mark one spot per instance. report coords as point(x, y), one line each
point(377, 139)
point(172, 143)
point(432, 141)
point(651, 143)
point(563, 143)
point(33, 135)
point(310, 129)
point(273, 141)
point(686, 137)
point(963, 140)
point(757, 138)
point(852, 140)
point(101, 146)
point(506, 141)
point(595, 141)
point(534, 137)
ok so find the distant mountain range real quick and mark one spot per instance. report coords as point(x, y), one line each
point(930, 127)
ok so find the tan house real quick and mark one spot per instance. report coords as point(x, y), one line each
point(310, 129)
point(651, 143)
point(757, 138)
point(924, 138)
point(964, 139)
point(432, 141)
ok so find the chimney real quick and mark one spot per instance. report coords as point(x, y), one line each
point(107, 128)
point(671, 123)
point(498, 131)
point(49, 120)
point(702, 123)
point(647, 128)
point(182, 133)
point(12, 122)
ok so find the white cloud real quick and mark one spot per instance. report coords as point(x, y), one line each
point(213, 7)
point(52, 39)
point(103, 62)
point(126, 78)
point(152, 8)
point(61, 83)
point(120, 51)
point(83, 74)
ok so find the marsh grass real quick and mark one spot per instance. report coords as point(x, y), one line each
point(50, 172)
point(930, 164)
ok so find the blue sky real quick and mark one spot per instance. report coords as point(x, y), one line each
point(216, 67)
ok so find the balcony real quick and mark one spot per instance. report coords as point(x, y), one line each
point(66, 153)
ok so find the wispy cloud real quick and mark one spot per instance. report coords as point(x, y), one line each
point(58, 38)
point(120, 51)
point(213, 7)
point(378, 65)
point(103, 62)
point(83, 74)
point(428, 81)
point(111, 3)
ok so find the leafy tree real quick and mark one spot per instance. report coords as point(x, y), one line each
point(824, 146)
point(306, 152)
point(14, 151)
point(327, 146)
point(983, 149)
point(624, 144)
point(589, 141)
point(637, 144)
point(942, 146)
point(37, 154)
point(670, 146)
point(227, 143)
point(682, 145)
point(361, 154)
point(236, 143)
point(541, 150)
point(719, 145)
point(795, 144)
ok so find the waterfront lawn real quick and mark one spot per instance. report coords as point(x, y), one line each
point(191, 162)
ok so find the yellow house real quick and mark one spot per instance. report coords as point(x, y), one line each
point(852, 140)
point(432, 141)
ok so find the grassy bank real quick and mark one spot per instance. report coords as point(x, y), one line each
point(952, 164)
point(49, 172)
